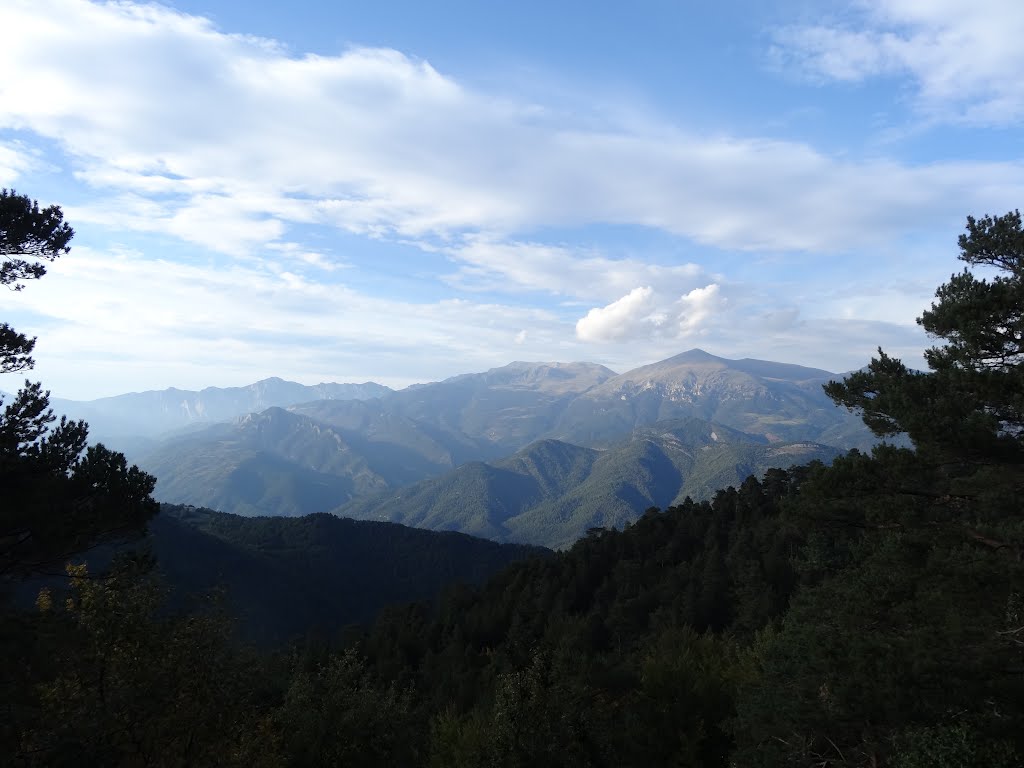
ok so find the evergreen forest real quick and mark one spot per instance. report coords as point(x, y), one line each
point(866, 612)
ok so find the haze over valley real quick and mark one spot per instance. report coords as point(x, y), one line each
point(567, 446)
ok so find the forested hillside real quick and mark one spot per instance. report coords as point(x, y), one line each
point(284, 577)
point(551, 492)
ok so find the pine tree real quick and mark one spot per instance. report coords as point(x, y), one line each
point(902, 647)
point(968, 409)
point(59, 497)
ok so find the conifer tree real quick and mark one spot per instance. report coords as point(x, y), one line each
point(903, 645)
point(60, 497)
point(969, 407)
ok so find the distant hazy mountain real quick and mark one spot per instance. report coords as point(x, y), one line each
point(551, 492)
point(274, 462)
point(479, 415)
point(322, 454)
point(318, 455)
point(778, 401)
point(149, 414)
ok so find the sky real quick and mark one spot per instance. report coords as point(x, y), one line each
point(405, 191)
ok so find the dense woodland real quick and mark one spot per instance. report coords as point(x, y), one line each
point(280, 578)
point(866, 613)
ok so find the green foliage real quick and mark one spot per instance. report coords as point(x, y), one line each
point(550, 493)
point(612, 653)
point(970, 407)
point(538, 718)
point(28, 238)
point(337, 715)
point(459, 742)
point(951, 746)
point(15, 350)
point(75, 682)
point(112, 681)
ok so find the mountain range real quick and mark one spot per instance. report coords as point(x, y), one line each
point(137, 416)
point(776, 401)
point(534, 452)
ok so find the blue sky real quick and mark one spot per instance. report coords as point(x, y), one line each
point(403, 191)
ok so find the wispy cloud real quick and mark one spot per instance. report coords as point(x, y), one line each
point(210, 325)
point(492, 265)
point(964, 57)
point(15, 161)
point(376, 142)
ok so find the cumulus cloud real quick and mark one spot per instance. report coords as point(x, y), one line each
point(621, 319)
point(964, 56)
point(645, 312)
point(697, 306)
point(193, 326)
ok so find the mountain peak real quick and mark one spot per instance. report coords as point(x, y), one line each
point(695, 355)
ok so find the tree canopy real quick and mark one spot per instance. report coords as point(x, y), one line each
point(903, 646)
point(970, 407)
point(60, 496)
point(29, 236)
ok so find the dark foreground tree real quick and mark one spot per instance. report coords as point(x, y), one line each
point(74, 683)
point(29, 237)
point(968, 410)
point(905, 645)
point(58, 497)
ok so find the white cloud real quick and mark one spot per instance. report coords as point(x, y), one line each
point(697, 306)
point(621, 319)
point(234, 144)
point(226, 141)
point(964, 56)
point(244, 322)
point(490, 265)
point(15, 160)
point(110, 322)
point(646, 313)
